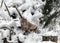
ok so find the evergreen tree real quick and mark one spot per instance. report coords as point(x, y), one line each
point(48, 7)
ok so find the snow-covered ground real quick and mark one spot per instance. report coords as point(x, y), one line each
point(7, 23)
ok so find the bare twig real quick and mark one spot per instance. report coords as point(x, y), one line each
point(18, 12)
point(7, 9)
point(2, 3)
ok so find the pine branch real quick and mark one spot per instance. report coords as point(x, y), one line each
point(54, 15)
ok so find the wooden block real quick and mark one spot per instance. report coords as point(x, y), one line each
point(54, 39)
point(45, 38)
point(51, 38)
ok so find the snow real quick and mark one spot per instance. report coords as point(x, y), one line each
point(48, 42)
point(36, 16)
point(51, 33)
point(6, 33)
point(32, 37)
point(18, 2)
point(21, 37)
point(1, 41)
point(27, 14)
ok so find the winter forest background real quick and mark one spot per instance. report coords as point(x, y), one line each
point(29, 21)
